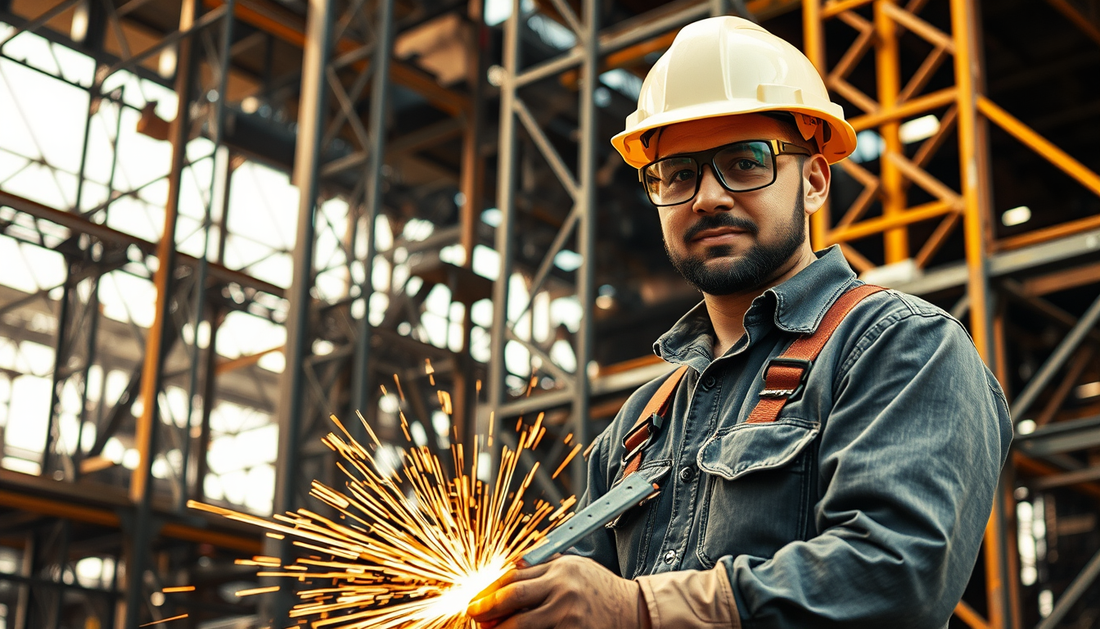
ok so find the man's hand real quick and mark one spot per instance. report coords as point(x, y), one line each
point(570, 591)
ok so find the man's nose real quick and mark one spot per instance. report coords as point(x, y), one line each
point(712, 195)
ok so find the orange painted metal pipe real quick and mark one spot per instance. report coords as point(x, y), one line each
point(1039, 144)
point(1038, 236)
point(836, 7)
point(967, 614)
point(814, 40)
point(908, 109)
point(110, 519)
point(888, 77)
point(881, 224)
point(976, 234)
point(1071, 12)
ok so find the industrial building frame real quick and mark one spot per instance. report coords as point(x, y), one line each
point(348, 62)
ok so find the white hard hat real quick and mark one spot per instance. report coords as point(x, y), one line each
point(724, 66)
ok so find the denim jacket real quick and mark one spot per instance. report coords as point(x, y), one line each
point(863, 505)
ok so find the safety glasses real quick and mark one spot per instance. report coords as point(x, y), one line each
point(740, 167)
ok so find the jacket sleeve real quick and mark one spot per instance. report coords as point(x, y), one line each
point(909, 460)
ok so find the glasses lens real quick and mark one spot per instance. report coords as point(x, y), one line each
point(670, 181)
point(746, 165)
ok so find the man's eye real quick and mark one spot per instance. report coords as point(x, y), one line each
point(746, 164)
point(683, 175)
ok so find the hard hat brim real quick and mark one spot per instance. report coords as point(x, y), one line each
point(840, 145)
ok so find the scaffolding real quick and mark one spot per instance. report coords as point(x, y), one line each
point(378, 133)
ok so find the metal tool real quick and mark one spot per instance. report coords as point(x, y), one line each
point(609, 506)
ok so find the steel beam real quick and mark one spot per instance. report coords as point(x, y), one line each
point(974, 167)
point(1022, 404)
point(472, 189)
point(307, 160)
point(105, 234)
point(372, 206)
point(506, 203)
point(586, 235)
point(1073, 593)
point(153, 371)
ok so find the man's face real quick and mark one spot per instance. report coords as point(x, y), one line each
point(729, 242)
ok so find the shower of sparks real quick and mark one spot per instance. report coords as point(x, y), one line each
point(411, 561)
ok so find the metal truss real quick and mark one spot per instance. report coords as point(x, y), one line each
point(349, 332)
point(193, 293)
point(904, 193)
point(329, 332)
point(524, 141)
point(348, 67)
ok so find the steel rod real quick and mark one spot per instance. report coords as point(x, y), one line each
point(307, 159)
point(586, 237)
point(506, 203)
point(379, 108)
point(146, 439)
point(1022, 404)
point(1073, 593)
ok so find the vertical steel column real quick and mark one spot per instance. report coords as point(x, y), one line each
point(813, 38)
point(887, 71)
point(70, 292)
point(973, 164)
point(380, 86)
point(93, 297)
point(307, 157)
point(90, 346)
point(219, 194)
point(21, 617)
point(471, 184)
point(157, 343)
point(506, 194)
point(586, 232)
point(210, 354)
point(60, 363)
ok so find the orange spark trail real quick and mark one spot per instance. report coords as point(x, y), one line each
point(408, 548)
point(159, 622)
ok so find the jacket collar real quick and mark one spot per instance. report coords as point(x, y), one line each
point(802, 301)
point(799, 305)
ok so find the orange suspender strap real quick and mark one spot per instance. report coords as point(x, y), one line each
point(785, 374)
point(784, 377)
point(649, 422)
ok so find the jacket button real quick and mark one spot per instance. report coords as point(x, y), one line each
point(687, 473)
point(670, 556)
point(709, 382)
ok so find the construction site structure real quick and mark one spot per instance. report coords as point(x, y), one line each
point(223, 222)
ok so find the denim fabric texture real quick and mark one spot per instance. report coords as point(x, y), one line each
point(863, 505)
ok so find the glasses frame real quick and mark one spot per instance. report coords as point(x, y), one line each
point(702, 158)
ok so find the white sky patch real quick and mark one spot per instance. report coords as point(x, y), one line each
point(30, 398)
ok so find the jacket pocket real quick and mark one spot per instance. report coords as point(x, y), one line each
point(756, 497)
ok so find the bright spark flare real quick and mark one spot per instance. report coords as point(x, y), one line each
point(410, 562)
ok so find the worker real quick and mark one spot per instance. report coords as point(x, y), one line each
point(830, 451)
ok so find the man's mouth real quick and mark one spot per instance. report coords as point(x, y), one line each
point(709, 236)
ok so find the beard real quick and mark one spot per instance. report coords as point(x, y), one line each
point(756, 267)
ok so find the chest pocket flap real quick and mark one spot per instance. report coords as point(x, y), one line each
point(745, 448)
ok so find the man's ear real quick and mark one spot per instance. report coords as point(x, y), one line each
point(815, 186)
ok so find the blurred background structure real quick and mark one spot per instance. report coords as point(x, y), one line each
point(223, 220)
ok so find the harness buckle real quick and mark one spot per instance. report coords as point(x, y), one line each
point(651, 426)
point(790, 394)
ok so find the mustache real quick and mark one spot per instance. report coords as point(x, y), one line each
point(714, 221)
